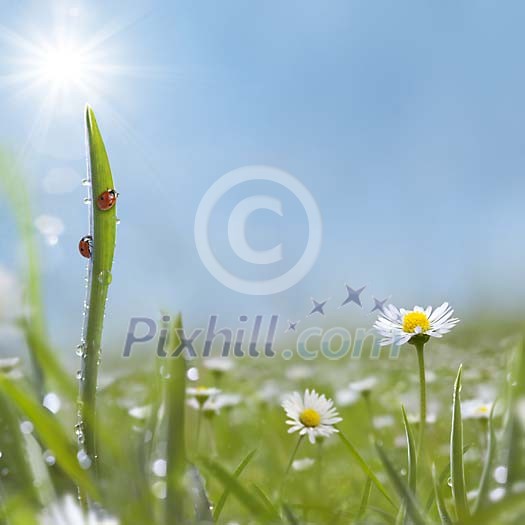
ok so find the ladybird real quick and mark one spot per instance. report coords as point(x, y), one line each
point(85, 245)
point(106, 200)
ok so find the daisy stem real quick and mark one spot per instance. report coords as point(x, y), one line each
point(292, 457)
point(422, 395)
point(213, 441)
point(198, 433)
point(368, 402)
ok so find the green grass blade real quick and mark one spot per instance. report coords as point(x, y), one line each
point(245, 498)
point(440, 502)
point(175, 401)
point(104, 227)
point(203, 514)
point(443, 476)
point(15, 456)
point(267, 502)
point(364, 499)
point(364, 466)
point(237, 472)
point(47, 371)
point(484, 481)
point(412, 453)
point(50, 433)
point(515, 431)
point(402, 489)
point(412, 458)
point(457, 470)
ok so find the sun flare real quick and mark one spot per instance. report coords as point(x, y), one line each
point(63, 66)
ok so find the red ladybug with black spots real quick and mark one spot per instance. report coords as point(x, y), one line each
point(85, 246)
point(107, 199)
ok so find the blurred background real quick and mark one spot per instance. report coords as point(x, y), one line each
point(403, 119)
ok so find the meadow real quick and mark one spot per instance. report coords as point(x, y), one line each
point(177, 441)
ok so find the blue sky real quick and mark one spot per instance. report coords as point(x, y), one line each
point(403, 119)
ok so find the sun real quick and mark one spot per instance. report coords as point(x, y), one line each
point(64, 66)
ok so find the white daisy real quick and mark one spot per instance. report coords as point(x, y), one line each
point(475, 409)
point(302, 464)
point(399, 326)
point(312, 414)
point(346, 397)
point(202, 393)
point(68, 512)
point(364, 386)
point(219, 365)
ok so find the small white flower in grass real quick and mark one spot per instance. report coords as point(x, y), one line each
point(346, 397)
point(7, 364)
point(140, 412)
point(299, 372)
point(364, 386)
point(475, 409)
point(400, 326)
point(302, 464)
point(202, 393)
point(219, 365)
point(228, 400)
point(312, 414)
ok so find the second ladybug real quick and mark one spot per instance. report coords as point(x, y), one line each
point(85, 246)
point(106, 200)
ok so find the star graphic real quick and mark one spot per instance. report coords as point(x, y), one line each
point(353, 296)
point(318, 307)
point(379, 305)
point(292, 326)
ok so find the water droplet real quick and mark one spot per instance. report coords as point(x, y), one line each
point(49, 458)
point(26, 427)
point(79, 374)
point(159, 467)
point(500, 474)
point(87, 200)
point(193, 374)
point(83, 459)
point(52, 402)
point(105, 277)
point(86, 182)
point(117, 220)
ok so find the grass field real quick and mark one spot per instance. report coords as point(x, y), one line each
point(176, 442)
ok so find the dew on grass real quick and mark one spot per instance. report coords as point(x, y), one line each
point(105, 277)
point(52, 402)
point(192, 374)
point(49, 458)
point(83, 459)
point(497, 494)
point(159, 467)
point(500, 474)
point(26, 427)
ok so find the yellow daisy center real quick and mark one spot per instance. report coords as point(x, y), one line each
point(414, 319)
point(483, 409)
point(310, 417)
